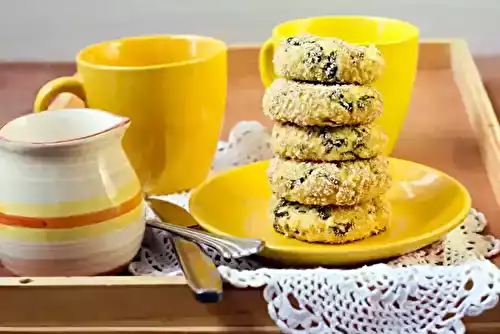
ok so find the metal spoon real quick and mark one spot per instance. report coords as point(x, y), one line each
point(228, 247)
point(198, 269)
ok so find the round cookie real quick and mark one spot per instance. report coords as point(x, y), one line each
point(325, 183)
point(330, 224)
point(327, 143)
point(315, 104)
point(327, 60)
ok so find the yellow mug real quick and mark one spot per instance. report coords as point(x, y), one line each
point(397, 40)
point(174, 90)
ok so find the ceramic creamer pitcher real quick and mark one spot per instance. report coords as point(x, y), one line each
point(70, 202)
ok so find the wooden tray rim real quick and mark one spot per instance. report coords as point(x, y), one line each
point(435, 54)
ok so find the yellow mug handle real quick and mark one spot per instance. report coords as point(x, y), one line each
point(53, 88)
point(266, 63)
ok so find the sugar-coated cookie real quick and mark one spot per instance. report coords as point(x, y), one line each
point(330, 224)
point(308, 104)
point(329, 183)
point(316, 143)
point(327, 60)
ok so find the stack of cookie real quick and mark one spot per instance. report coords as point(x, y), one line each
point(328, 176)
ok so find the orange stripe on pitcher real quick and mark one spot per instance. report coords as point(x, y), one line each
point(73, 221)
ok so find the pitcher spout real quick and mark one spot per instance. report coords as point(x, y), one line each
point(58, 127)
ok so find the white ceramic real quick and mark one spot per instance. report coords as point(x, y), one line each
point(70, 202)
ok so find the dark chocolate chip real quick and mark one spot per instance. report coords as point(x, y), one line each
point(292, 41)
point(281, 214)
point(341, 231)
point(298, 41)
point(355, 57)
point(339, 142)
point(324, 212)
point(330, 67)
point(301, 209)
point(360, 131)
point(333, 180)
point(328, 142)
point(314, 55)
point(346, 105)
point(301, 180)
point(360, 145)
point(338, 96)
point(280, 210)
point(364, 100)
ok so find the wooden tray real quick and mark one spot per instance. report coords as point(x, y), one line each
point(448, 98)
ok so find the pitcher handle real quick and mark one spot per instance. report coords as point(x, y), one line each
point(53, 88)
point(266, 67)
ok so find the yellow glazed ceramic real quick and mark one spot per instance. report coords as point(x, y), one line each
point(397, 40)
point(174, 90)
point(426, 205)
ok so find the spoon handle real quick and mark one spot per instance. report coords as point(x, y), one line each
point(200, 272)
point(228, 247)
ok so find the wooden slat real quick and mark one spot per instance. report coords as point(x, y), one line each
point(479, 109)
point(144, 330)
point(434, 55)
point(143, 303)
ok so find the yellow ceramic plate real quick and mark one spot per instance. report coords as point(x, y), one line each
point(426, 205)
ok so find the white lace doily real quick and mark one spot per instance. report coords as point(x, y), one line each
point(427, 291)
